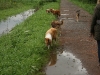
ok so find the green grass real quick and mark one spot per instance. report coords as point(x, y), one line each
point(23, 51)
point(89, 7)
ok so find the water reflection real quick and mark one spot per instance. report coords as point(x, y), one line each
point(65, 63)
point(8, 24)
point(53, 58)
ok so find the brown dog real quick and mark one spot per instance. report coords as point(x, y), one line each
point(77, 15)
point(56, 13)
point(57, 25)
point(50, 35)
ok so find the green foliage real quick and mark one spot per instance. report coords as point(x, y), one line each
point(87, 1)
point(12, 7)
point(17, 7)
point(23, 51)
point(5, 4)
point(51, 0)
point(85, 5)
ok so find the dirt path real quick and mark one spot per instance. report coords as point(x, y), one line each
point(75, 36)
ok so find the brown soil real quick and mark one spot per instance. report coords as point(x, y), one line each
point(75, 36)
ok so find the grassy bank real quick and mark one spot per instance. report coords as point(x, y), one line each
point(23, 51)
point(89, 7)
point(13, 11)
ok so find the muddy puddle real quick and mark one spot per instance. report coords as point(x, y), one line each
point(64, 63)
point(7, 25)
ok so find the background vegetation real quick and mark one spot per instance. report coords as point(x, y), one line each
point(5, 4)
point(13, 7)
point(88, 1)
point(22, 50)
point(87, 5)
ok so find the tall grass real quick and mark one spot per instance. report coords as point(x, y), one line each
point(85, 5)
point(23, 51)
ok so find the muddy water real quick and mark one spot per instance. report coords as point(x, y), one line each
point(7, 25)
point(65, 63)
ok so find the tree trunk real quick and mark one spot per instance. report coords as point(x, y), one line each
point(98, 1)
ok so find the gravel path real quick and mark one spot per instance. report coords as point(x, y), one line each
point(75, 36)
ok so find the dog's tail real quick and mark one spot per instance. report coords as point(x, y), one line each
point(61, 21)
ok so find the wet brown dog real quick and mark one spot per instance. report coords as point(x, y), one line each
point(50, 35)
point(56, 12)
point(57, 25)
